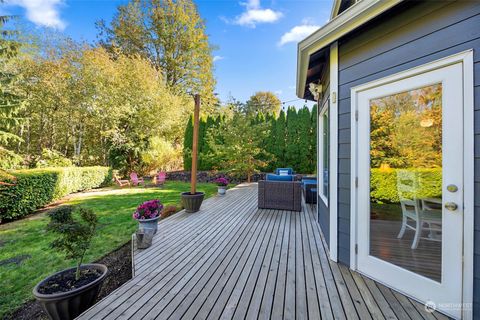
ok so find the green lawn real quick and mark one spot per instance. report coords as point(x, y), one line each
point(28, 237)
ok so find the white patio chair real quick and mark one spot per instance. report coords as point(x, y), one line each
point(425, 217)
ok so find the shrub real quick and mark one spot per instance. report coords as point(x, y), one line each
point(36, 188)
point(52, 158)
point(384, 184)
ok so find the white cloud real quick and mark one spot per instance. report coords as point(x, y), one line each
point(218, 58)
point(278, 92)
point(44, 13)
point(297, 33)
point(255, 14)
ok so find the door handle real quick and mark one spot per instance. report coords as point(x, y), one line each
point(452, 206)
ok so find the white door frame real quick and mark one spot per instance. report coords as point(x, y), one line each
point(333, 174)
point(466, 58)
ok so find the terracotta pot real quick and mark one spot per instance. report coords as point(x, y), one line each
point(69, 305)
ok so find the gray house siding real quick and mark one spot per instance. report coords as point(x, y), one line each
point(406, 37)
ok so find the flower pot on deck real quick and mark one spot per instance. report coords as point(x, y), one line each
point(144, 238)
point(192, 202)
point(69, 304)
point(222, 190)
point(148, 224)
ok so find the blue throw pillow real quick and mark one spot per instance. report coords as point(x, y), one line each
point(289, 170)
point(275, 177)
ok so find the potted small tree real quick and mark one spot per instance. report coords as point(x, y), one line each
point(66, 294)
point(192, 201)
point(222, 184)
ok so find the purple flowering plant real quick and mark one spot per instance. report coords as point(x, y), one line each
point(148, 210)
point(221, 182)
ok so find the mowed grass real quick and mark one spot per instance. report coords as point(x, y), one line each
point(28, 239)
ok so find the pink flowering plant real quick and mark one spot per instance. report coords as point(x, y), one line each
point(148, 210)
point(221, 182)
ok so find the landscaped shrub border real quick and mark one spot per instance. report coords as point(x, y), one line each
point(35, 188)
point(384, 184)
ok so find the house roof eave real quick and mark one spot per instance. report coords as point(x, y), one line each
point(357, 15)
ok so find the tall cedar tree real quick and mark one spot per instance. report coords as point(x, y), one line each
point(303, 140)
point(172, 35)
point(204, 162)
point(271, 140)
point(10, 102)
point(202, 128)
point(292, 149)
point(188, 144)
point(280, 136)
point(313, 140)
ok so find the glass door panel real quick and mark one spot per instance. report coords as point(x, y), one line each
point(406, 180)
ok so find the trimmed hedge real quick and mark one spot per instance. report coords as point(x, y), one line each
point(36, 188)
point(384, 189)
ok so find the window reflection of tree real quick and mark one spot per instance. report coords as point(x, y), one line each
point(406, 129)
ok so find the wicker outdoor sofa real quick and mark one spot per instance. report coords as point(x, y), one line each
point(281, 195)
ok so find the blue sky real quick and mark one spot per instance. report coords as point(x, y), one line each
point(256, 39)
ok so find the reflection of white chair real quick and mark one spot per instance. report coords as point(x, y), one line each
point(425, 216)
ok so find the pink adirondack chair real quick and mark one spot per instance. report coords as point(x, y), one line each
point(135, 179)
point(161, 178)
point(120, 182)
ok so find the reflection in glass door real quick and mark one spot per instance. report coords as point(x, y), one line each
point(406, 180)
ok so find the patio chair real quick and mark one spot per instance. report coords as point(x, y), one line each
point(425, 217)
point(135, 179)
point(160, 178)
point(120, 182)
point(309, 187)
point(281, 195)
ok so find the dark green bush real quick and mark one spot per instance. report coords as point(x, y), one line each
point(36, 188)
point(384, 189)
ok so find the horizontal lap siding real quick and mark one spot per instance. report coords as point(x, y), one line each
point(406, 37)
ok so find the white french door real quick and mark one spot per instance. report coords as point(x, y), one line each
point(410, 194)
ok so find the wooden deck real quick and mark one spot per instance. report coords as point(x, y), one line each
point(233, 261)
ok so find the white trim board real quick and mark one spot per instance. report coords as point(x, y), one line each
point(324, 109)
point(333, 192)
point(466, 58)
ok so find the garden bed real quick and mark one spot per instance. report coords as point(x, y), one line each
point(119, 264)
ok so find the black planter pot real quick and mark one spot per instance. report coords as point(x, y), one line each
point(68, 305)
point(192, 202)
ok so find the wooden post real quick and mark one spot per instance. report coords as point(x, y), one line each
point(196, 116)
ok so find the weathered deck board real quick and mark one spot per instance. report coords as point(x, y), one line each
point(233, 261)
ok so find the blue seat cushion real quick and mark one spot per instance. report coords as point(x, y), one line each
point(308, 181)
point(275, 177)
point(284, 171)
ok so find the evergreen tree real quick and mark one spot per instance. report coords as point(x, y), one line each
point(10, 102)
point(201, 141)
point(204, 163)
point(271, 140)
point(280, 140)
point(303, 132)
point(187, 145)
point(292, 140)
point(313, 140)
